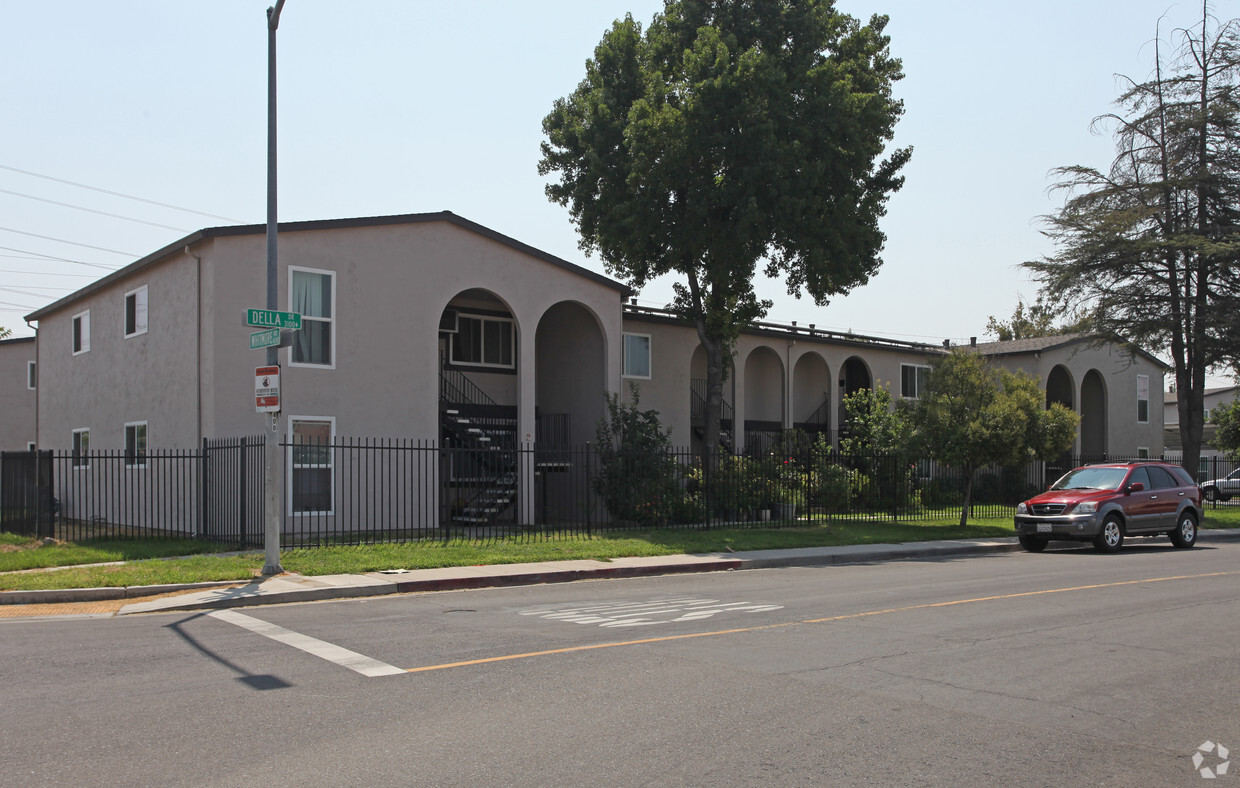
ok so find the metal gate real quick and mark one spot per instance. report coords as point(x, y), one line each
point(27, 506)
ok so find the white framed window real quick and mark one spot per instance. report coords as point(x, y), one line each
point(637, 356)
point(135, 444)
point(32, 376)
point(312, 469)
point(1143, 399)
point(312, 293)
point(484, 341)
point(913, 378)
point(81, 332)
point(81, 448)
point(135, 312)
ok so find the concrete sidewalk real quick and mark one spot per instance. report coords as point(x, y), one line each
point(299, 588)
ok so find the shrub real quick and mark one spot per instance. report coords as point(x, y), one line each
point(637, 477)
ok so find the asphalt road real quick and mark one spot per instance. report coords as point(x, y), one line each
point(1065, 668)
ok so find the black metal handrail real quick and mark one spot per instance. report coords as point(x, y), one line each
point(455, 387)
point(697, 402)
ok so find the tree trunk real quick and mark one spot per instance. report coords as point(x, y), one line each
point(968, 497)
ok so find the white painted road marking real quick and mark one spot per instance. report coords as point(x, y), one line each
point(644, 614)
point(359, 663)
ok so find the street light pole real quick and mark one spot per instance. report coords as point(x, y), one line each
point(271, 487)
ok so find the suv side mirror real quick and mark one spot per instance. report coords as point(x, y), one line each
point(1135, 487)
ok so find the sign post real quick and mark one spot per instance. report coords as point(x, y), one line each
point(272, 511)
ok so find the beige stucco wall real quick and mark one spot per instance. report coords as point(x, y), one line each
point(1118, 371)
point(192, 374)
point(17, 400)
point(149, 377)
point(392, 284)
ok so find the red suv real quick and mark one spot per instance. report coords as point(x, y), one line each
point(1104, 503)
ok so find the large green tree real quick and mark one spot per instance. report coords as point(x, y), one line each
point(1150, 249)
point(730, 137)
point(973, 415)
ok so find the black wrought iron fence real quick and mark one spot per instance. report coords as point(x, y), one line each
point(215, 492)
point(355, 491)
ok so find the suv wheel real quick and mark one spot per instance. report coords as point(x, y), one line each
point(1211, 494)
point(1034, 544)
point(1185, 534)
point(1111, 537)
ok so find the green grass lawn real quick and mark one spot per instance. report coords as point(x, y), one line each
point(148, 562)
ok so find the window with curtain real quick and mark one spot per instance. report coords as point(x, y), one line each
point(135, 444)
point(81, 448)
point(637, 355)
point(135, 312)
point(312, 294)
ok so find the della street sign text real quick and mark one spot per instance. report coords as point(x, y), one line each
point(270, 318)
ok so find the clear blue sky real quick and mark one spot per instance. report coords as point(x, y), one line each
point(400, 106)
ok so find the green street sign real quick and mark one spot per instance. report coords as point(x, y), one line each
point(268, 338)
point(270, 318)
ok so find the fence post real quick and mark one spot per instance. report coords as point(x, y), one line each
point(241, 490)
point(204, 490)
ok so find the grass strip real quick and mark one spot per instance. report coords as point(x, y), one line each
point(145, 564)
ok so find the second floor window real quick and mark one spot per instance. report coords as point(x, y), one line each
point(135, 312)
point(1143, 399)
point(637, 355)
point(81, 332)
point(483, 341)
point(913, 380)
point(313, 294)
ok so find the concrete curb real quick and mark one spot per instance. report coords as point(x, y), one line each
point(295, 588)
point(53, 595)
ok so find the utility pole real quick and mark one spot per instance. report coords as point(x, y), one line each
point(271, 498)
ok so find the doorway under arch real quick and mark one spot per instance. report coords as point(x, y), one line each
point(1093, 416)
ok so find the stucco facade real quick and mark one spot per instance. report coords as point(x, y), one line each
point(190, 374)
point(1116, 391)
point(433, 329)
point(18, 391)
point(781, 376)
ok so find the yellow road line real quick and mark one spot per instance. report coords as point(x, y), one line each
point(845, 617)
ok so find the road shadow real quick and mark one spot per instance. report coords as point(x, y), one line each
point(257, 681)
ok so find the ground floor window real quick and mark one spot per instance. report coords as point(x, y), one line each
point(81, 448)
point(312, 466)
point(135, 444)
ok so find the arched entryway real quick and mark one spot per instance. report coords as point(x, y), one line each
point(1060, 389)
point(854, 376)
point(811, 394)
point(1093, 416)
point(479, 375)
point(764, 398)
point(571, 382)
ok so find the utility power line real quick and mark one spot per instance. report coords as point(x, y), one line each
point(92, 210)
point(119, 194)
point(60, 259)
point(72, 243)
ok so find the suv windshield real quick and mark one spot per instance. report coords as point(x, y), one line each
point(1092, 479)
